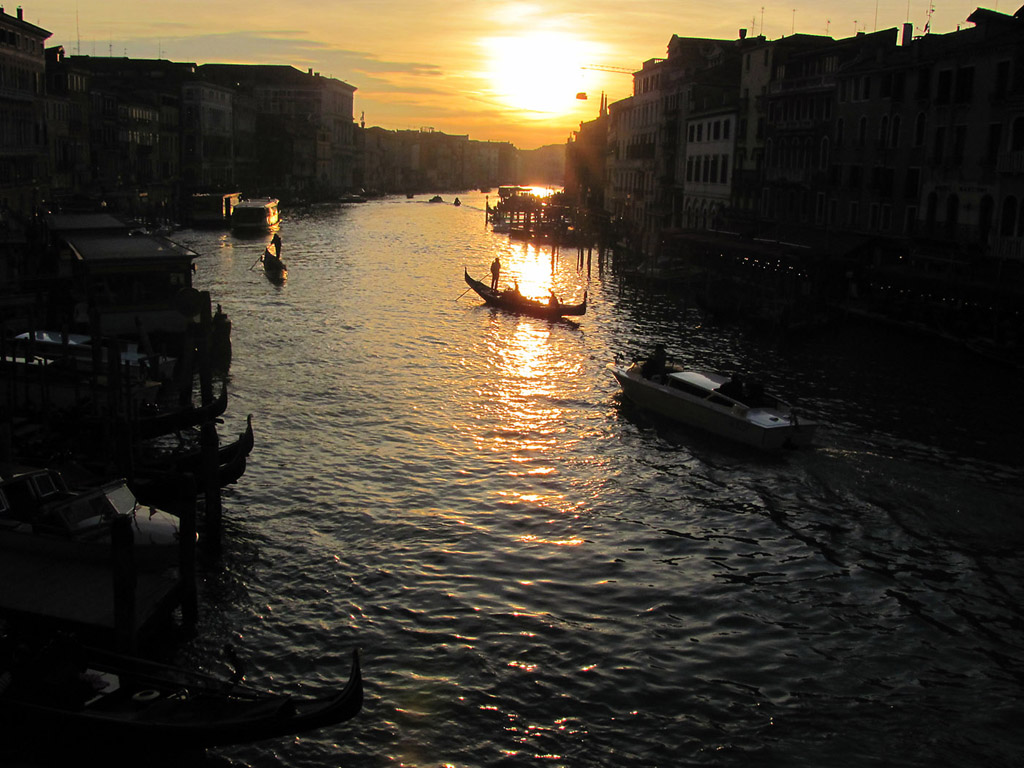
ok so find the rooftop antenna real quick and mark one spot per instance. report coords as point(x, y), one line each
point(876, 17)
point(762, 20)
point(78, 33)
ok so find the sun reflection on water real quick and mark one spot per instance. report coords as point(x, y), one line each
point(524, 419)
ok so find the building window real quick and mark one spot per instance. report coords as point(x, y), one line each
point(995, 136)
point(919, 127)
point(964, 90)
point(939, 145)
point(912, 187)
point(944, 88)
point(959, 142)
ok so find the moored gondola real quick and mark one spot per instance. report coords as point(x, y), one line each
point(513, 301)
point(166, 423)
point(99, 700)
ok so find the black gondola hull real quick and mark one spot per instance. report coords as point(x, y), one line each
point(524, 306)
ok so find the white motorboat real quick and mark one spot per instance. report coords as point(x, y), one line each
point(726, 406)
point(54, 344)
point(39, 513)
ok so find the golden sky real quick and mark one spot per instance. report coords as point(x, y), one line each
point(495, 70)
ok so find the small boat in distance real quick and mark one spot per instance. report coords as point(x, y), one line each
point(274, 267)
point(256, 215)
point(513, 301)
point(436, 199)
point(727, 406)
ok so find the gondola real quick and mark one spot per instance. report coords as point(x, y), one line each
point(274, 267)
point(97, 700)
point(514, 302)
point(160, 481)
point(167, 423)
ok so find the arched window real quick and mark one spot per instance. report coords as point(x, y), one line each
point(933, 204)
point(862, 131)
point(839, 132)
point(823, 154)
point(919, 125)
point(883, 131)
point(894, 136)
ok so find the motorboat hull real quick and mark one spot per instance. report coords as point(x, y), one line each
point(768, 429)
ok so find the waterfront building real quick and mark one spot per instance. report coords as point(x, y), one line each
point(431, 161)
point(304, 135)
point(211, 118)
point(23, 147)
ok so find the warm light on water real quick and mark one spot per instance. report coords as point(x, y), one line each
point(534, 569)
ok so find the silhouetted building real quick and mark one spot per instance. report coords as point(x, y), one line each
point(303, 142)
point(23, 137)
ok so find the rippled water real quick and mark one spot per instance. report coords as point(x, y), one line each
point(538, 573)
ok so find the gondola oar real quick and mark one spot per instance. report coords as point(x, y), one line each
point(258, 260)
point(464, 293)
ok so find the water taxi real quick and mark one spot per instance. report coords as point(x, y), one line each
point(256, 215)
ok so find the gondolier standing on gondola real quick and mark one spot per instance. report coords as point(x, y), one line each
point(495, 273)
point(276, 242)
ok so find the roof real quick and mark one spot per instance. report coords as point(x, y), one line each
point(106, 247)
point(65, 223)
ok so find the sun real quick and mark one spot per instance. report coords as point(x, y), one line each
point(537, 72)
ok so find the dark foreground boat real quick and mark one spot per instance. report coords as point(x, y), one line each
point(98, 700)
point(515, 302)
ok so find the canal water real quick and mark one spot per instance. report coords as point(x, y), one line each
point(537, 573)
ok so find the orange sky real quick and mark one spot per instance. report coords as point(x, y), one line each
point(497, 71)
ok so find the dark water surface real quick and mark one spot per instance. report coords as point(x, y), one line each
point(539, 574)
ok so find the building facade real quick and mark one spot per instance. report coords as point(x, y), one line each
point(23, 130)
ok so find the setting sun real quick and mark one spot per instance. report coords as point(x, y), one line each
point(538, 73)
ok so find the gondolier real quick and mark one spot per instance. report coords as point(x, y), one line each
point(276, 242)
point(495, 273)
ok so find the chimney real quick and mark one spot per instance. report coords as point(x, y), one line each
point(20, 14)
point(743, 34)
point(908, 33)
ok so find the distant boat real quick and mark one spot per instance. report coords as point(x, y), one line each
point(436, 199)
point(256, 215)
point(457, 202)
